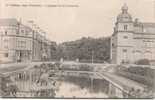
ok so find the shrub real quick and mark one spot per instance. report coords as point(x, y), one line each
point(143, 62)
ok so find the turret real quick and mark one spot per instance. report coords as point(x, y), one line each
point(122, 39)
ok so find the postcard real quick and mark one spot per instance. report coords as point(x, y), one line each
point(77, 49)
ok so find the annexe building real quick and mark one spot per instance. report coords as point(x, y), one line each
point(21, 43)
point(132, 40)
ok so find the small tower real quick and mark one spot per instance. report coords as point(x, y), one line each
point(121, 40)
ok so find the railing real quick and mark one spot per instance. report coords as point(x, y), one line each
point(91, 72)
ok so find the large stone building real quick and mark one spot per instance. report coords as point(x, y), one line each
point(132, 40)
point(21, 43)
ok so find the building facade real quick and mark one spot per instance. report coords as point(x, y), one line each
point(20, 43)
point(132, 40)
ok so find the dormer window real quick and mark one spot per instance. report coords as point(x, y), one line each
point(125, 27)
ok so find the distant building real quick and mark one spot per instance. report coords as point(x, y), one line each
point(20, 43)
point(132, 40)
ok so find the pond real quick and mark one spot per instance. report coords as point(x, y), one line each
point(75, 87)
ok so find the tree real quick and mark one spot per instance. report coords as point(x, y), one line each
point(82, 49)
point(12, 89)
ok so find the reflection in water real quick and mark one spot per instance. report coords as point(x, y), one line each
point(72, 87)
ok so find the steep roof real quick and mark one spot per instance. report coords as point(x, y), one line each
point(148, 25)
point(13, 22)
point(124, 16)
point(8, 22)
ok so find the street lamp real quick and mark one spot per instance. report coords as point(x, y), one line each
point(33, 31)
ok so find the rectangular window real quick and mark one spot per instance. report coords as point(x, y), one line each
point(112, 44)
point(17, 31)
point(125, 37)
point(5, 40)
point(124, 50)
point(22, 31)
point(21, 44)
point(6, 43)
point(6, 32)
point(125, 27)
point(6, 54)
point(6, 47)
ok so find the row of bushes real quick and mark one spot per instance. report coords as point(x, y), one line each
point(142, 71)
point(141, 79)
point(82, 67)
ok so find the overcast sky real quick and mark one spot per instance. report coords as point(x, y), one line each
point(94, 18)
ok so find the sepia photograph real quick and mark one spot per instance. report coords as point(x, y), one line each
point(77, 49)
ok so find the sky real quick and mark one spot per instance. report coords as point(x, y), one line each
point(91, 18)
